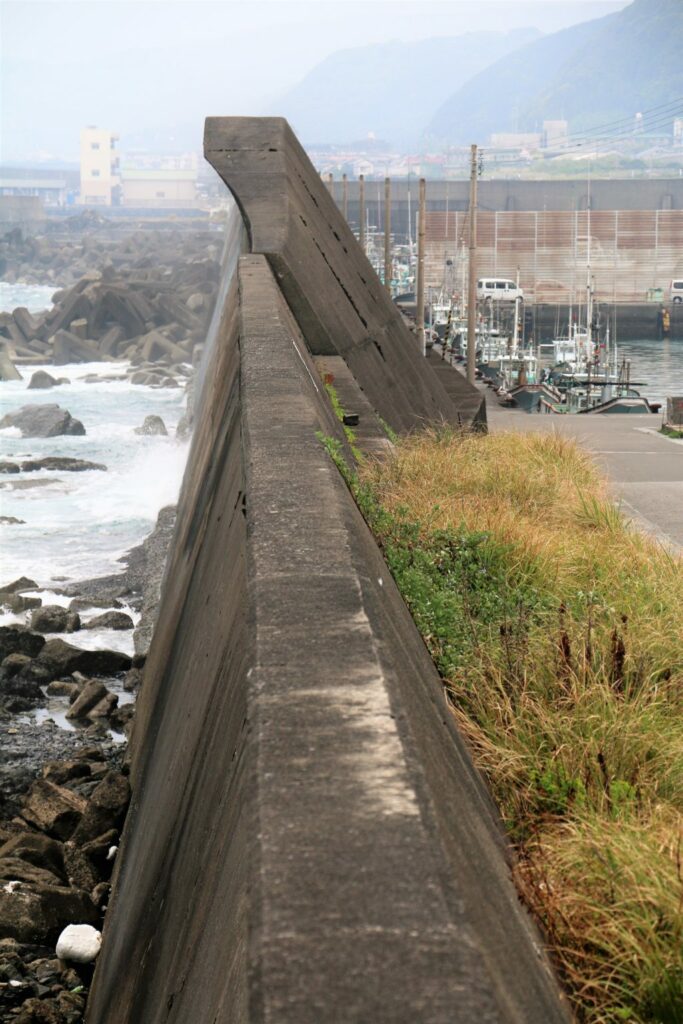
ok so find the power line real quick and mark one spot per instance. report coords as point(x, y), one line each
point(614, 125)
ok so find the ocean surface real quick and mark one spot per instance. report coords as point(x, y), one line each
point(78, 525)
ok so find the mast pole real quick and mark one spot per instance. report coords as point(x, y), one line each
point(420, 297)
point(361, 211)
point(472, 288)
point(387, 234)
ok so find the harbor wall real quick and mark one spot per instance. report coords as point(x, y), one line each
point(308, 840)
point(511, 195)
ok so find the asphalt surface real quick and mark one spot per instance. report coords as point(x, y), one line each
point(644, 466)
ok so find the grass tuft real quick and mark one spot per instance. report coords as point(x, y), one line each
point(557, 630)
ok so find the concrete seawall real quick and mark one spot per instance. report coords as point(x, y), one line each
point(308, 841)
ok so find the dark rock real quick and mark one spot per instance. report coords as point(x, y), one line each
point(91, 694)
point(62, 688)
point(106, 808)
point(104, 708)
point(13, 664)
point(79, 868)
point(53, 809)
point(52, 618)
point(14, 869)
point(122, 716)
point(110, 620)
point(23, 686)
point(19, 586)
point(35, 848)
point(61, 464)
point(42, 421)
point(61, 659)
point(9, 467)
point(132, 680)
point(61, 772)
point(79, 604)
point(38, 914)
point(40, 1011)
point(11, 521)
point(153, 425)
point(18, 602)
point(16, 640)
point(41, 380)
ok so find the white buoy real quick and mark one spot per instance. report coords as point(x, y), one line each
point(79, 943)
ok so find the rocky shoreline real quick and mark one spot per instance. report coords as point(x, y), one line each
point(66, 711)
point(64, 793)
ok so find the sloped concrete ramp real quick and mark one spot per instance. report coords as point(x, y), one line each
point(308, 841)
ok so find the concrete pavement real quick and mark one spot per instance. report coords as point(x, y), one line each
point(644, 466)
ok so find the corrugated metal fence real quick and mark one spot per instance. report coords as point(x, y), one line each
point(630, 252)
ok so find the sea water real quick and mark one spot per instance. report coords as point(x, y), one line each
point(77, 525)
point(659, 364)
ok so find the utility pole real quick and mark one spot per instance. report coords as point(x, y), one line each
point(387, 234)
point(420, 297)
point(361, 211)
point(472, 289)
point(345, 198)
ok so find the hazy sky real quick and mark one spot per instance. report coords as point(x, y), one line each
point(153, 69)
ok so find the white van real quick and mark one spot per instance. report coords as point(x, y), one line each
point(497, 288)
point(676, 290)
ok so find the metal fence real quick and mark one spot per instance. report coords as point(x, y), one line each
point(633, 254)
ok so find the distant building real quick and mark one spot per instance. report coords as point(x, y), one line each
point(555, 134)
point(150, 182)
point(100, 178)
point(516, 140)
point(54, 187)
point(678, 131)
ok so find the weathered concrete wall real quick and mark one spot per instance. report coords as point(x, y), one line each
point(308, 841)
point(336, 297)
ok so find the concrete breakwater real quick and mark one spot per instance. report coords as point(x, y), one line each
point(308, 840)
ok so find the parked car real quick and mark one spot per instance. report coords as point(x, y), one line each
point(676, 290)
point(498, 288)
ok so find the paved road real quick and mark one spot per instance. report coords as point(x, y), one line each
point(645, 467)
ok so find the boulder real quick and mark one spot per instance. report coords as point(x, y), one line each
point(17, 603)
point(38, 849)
point(62, 688)
point(61, 464)
point(61, 659)
point(79, 604)
point(17, 640)
point(38, 914)
point(41, 380)
point(106, 808)
point(52, 618)
point(20, 692)
point(153, 425)
point(110, 620)
point(13, 664)
point(53, 809)
point(11, 521)
point(43, 421)
point(12, 868)
point(9, 467)
point(91, 694)
point(79, 868)
point(19, 586)
point(105, 707)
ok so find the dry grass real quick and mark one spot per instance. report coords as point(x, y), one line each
point(558, 632)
